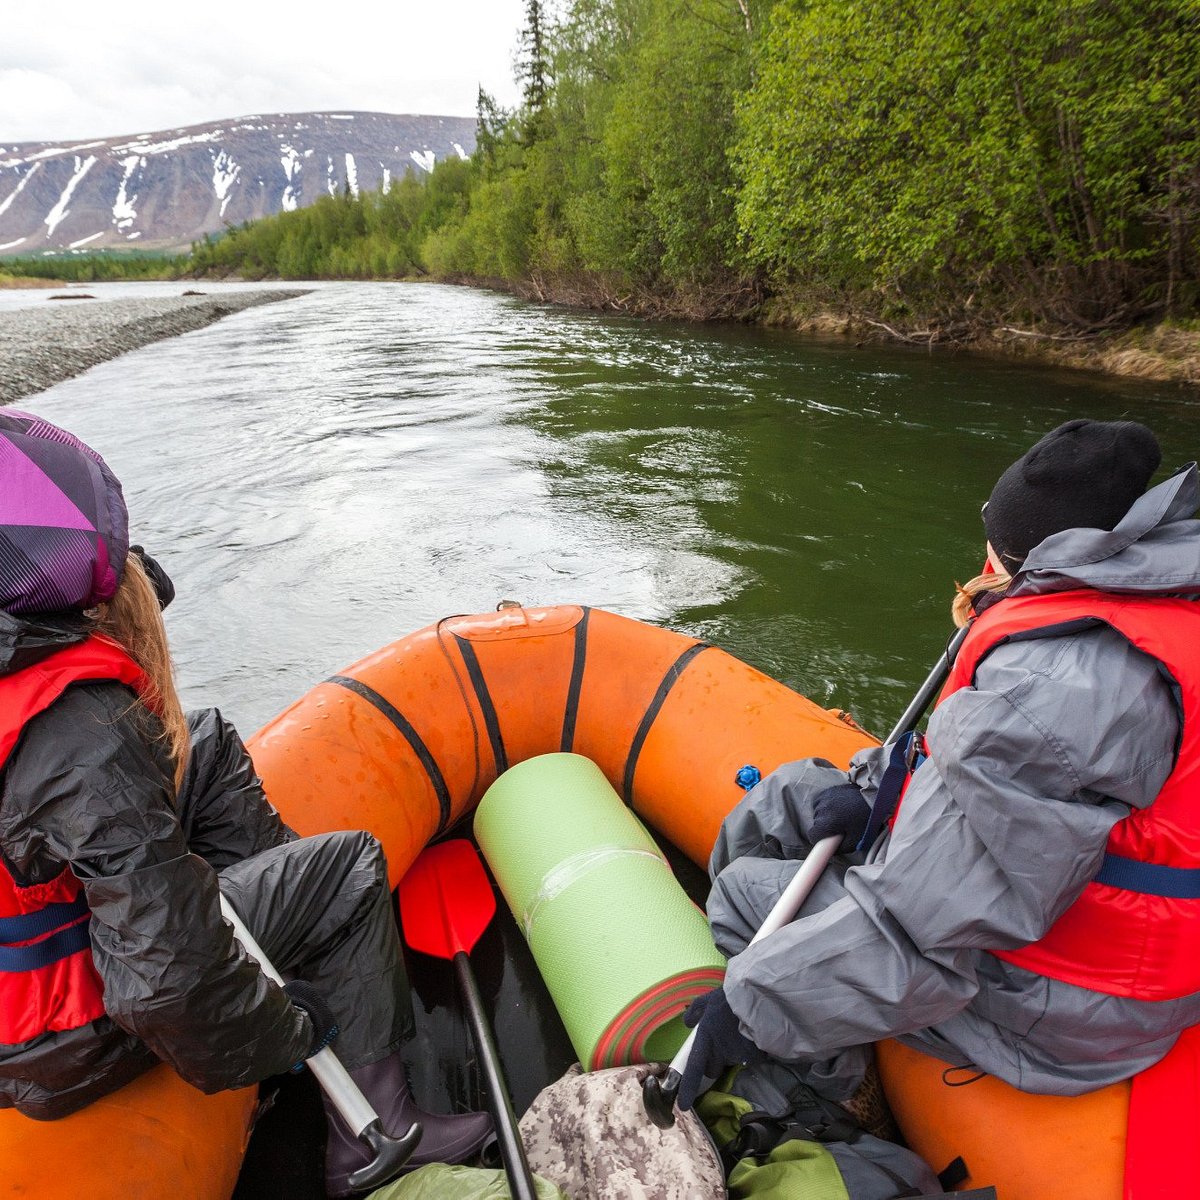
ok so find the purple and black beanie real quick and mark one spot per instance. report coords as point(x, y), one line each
point(64, 529)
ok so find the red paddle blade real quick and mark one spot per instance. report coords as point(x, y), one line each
point(446, 901)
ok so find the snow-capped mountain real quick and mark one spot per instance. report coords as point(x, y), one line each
point(168, 188)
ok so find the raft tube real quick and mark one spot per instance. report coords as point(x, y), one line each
point(157, 1138)
point(405, 742)
point(1027, 1147)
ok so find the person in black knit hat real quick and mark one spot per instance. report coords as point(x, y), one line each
point(1028, 907)
point(1082, 475)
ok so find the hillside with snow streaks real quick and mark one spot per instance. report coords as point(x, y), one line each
point(165, 189)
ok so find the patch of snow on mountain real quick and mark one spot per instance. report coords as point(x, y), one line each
point(330, 182)
point(460, 152)
point(292, 164)
point(10, 245)
point(352, 173)
point(58, 213)
point(424, 159)
point(136, 234)
point(49, 152)
point(84, 241)
point(386, 186)
point(341, 116)
point(124, 214)
point(225, 173)
point(17, 191)
point(138, 146)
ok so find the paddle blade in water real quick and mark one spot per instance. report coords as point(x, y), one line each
point(446, 901)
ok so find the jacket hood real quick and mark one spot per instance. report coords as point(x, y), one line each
point(1154, 549)
point(26, 640)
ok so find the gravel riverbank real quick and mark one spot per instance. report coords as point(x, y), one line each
point(43, 345)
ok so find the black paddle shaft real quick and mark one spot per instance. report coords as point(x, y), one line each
point(659, 1092)
point(925, 693)
point(512, 1151)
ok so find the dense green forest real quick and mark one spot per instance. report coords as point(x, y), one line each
point(926, 164)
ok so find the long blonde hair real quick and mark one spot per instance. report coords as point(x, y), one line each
point(962, 607)
point(133, 619)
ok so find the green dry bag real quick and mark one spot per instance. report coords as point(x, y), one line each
point(441, 1182)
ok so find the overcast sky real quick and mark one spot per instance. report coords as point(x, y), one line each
point(72, 69)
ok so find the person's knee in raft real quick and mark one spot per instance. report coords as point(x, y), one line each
point(121, 810)
point(1037, 764)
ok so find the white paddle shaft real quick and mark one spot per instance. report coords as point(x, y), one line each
point(353, 1107)
point(786, 907)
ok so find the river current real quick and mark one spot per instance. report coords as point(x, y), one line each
point(324, 475)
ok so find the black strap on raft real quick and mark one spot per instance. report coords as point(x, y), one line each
point(908, 753)
point(669, 680)
point(575, 686)
point(405, 727)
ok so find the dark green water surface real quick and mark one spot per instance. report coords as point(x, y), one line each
point(325, 475)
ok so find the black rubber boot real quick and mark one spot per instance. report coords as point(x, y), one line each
point(385, 1084)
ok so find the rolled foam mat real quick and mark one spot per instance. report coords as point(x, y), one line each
point(621, 947)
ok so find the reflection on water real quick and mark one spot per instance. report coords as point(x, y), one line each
point(324, 475)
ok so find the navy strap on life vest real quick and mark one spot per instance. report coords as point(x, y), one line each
point(27, 926)
point(67, 941)
point(49, 950)
point(1151, 879)
point(1148, 879)
point(908, 753)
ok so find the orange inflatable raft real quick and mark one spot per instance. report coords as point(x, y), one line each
point(403, 744)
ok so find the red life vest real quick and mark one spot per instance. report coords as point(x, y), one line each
point(1135, 930)
point(48, 981)
point(1138, 934)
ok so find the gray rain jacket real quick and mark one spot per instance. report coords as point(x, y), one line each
point(1059, 738)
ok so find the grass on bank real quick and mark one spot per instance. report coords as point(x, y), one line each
point(101, 266)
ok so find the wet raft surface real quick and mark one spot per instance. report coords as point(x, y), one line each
point(286, 1154)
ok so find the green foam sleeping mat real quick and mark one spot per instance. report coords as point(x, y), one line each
point(621, 947)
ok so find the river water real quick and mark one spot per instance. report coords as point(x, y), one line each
point(323, 475)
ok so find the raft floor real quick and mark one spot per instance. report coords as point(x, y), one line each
point(286, 1153)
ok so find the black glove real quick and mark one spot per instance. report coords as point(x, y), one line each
point(164, 589)
point(718, 1044)
point(325, 1027)
point(841, 809)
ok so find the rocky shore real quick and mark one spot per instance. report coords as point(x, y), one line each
point(43, 345)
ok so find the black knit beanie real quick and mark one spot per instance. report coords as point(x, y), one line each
point(1082, 475)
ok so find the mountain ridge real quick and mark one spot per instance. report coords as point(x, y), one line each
point(166, 188)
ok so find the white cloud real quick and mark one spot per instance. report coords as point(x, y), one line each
point(160, 66)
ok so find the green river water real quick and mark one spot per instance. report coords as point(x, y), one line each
point(325, 475)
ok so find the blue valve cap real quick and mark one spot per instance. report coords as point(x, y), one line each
point(747, 777)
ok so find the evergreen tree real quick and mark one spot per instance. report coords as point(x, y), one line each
point(534, 67)
point(490, 123)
